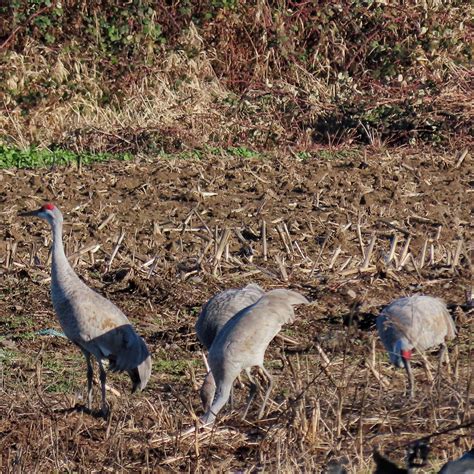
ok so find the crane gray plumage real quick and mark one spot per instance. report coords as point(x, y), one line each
point(242, 342)
point(214, 315)
point(91, 321)
point(415, 322)
point(221, 307)
point(463, 465)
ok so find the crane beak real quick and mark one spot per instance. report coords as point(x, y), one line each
point(30, 213)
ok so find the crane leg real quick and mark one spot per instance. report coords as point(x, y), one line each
point(241, 385)
point(252, 392)
point(90, 375)
point(411, 381)
point(442, 353)
point(267, 393)
point(103, 377)
point(444, 357)
point(222, 395)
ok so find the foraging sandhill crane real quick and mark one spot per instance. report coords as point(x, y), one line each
point(463, 465)
point(91, 321)
point(242, 342)
point(215, 313)
point(417, 322)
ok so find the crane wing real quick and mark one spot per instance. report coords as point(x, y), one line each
point(222, 307)
point(123, 347)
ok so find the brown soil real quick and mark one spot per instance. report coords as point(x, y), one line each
point(175, 212)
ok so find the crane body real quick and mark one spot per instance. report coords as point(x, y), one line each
point(221, 307)
point(463, 465)
point(242, 342)
point(90, 321)
point(214, 315)
point(416, 322)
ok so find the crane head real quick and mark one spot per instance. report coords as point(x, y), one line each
point(402, 350)
point(48, 212)
point(406, 354)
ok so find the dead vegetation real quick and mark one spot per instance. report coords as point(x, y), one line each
point(350, 230)
point(155, 76)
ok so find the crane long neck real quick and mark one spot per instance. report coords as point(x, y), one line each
point(58, 248)
point(61, 269)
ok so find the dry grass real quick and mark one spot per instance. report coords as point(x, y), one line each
point(336, 396)
point(180, 102)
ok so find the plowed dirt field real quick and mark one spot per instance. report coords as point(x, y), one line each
point(350, 230)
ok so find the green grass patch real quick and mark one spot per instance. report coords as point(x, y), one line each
point(37, 158)
point(242, 152)
point(64, 385)
point(26, 336)
point(30, 158)
point(17, 322)
point(7, 355)
point(173, 367)
point(63, 373)
point(195, 311)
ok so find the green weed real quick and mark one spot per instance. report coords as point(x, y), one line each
point(176, 367)
point(38, 158)
point(18, 322)
point(242, 152)
point(26, 336)
point(59, 376)
point(7, 355)
point(195, 310)
point(61, 386)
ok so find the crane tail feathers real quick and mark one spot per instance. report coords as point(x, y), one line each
point(289, 296)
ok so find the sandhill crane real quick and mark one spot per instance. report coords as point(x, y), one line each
point(91, 321)
point(417, 322)
point(215, 313)
point(242, 342)
point(463, 465)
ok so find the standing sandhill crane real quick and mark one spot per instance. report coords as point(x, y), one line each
point(242, 342)
point(417, 322)
point(91, 321)
point(215, 313)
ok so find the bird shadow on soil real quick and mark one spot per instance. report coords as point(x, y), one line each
point(79, 408)
point(363, 321)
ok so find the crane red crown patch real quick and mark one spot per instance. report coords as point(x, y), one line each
point(48, 207)
point(406, 355)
